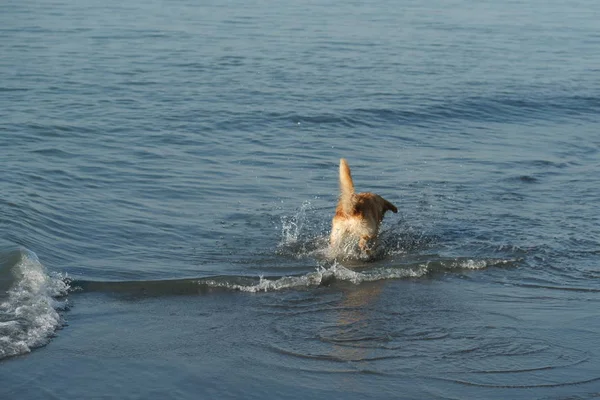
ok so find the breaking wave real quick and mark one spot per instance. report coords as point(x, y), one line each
point(30, 302)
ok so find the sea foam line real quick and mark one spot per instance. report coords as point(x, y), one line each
point(338, 272)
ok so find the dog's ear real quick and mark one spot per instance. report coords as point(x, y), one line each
point(387, 206)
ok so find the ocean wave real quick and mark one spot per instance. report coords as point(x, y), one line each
point(30, 301)
point(490, 108)
point(321, 276)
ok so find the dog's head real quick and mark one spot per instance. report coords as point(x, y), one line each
point(371, 204)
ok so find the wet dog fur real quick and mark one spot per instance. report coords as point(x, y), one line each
point(357, 216)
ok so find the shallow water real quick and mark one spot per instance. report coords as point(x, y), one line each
point(169, 173)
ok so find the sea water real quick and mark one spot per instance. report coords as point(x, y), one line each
point(168, 174)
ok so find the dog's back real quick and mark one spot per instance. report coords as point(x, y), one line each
point(357, 215)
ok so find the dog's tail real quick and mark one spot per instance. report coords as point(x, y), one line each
point(346, 188)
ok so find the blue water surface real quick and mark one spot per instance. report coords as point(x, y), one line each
point(168, 173)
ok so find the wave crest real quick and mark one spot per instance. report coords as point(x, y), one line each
point(321, 276)
point(337, 272)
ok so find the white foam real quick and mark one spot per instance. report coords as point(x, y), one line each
point(28, 315)
point(320, 276)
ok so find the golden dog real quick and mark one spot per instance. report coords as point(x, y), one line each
point(357, 216)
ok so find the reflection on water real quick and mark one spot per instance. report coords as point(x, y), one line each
point(355, 323)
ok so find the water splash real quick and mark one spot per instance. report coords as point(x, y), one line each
point(292, 226)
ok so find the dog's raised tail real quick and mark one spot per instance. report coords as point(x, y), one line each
point(346, 188)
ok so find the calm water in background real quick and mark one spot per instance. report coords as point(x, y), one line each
point(177, 163)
